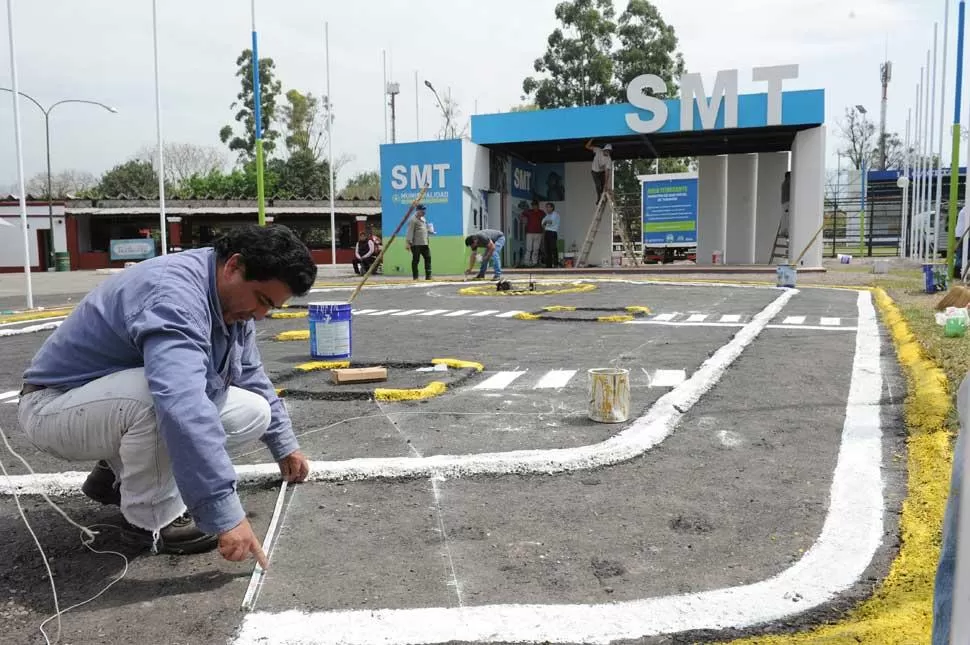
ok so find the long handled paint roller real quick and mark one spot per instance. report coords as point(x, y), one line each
point(375, 263)
point(805, 250)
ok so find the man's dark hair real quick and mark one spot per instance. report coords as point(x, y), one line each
point(270, 253)
point(551, 205)
point(535, 202)
point(469, 240)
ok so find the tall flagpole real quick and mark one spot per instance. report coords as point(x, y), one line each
point(20, 155)
point(907, 159)
point(333, 216)
point(162, 219)
point(258, 119)
point(939, 145)
point(955, 152)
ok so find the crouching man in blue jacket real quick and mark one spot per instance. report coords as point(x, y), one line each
point(156, 375)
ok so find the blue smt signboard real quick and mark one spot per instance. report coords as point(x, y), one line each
point(670, 210)
point(407, 167)
point(545, 182)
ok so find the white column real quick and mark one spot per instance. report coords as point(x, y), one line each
point(742, 200)
point(772, 167)
point(808, 200)
point(712, 179)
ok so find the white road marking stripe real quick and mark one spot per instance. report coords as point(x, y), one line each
point(384, 312)
point(555, 379)
point(664, 317)
point(667, 378)
point(460, 312)
point(409, 312)
point(498, 381)
point(811, 327)
point(794, 320)
point(683, 324)
point(730, 318)
point(364, 311)
point(697, 318)
point(831, 321)
point(29, 330)
point(7, 395)
point(36, 320)
point(435, 312)
point(487, 312)
point(850, 536)
point(510, 314)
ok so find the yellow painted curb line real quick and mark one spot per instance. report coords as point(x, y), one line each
point(458, 363)
point(36, 315)
point(638, 310)
point(433, 389)
point(296, 334)
point(526, 316)
point(901, 609)
point(283, 315)
point(558, 308)
point(614, 319)
point(314, 366)
point(490, 290)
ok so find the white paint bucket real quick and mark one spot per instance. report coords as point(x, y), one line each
point(609, 395)
point(786, 275)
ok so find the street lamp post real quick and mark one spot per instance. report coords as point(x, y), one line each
point(47, 133)
point(441, 105)
point(862, 211)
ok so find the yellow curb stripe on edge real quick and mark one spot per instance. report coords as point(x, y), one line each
point(36, 315)
point(901, 608)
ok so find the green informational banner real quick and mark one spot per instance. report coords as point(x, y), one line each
point(670, 210)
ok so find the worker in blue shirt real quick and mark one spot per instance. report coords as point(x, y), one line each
point(156, 375)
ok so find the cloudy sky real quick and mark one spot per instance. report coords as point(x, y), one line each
point(480, 51)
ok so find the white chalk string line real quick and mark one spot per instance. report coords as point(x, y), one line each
point(269, 542)
point(87, 539)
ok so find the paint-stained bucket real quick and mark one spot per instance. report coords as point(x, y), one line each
point(609, 395)
point(786, 275)
point(330, 333)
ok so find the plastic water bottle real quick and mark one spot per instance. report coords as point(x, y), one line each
point(955, 327)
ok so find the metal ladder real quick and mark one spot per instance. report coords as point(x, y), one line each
point(594, 227)
point(780, 251)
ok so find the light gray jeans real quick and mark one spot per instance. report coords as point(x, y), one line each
point(113, 418)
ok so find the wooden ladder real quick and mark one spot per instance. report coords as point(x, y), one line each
point(594, 227)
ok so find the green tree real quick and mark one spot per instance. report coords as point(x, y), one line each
point(132, 179)
point(245, 144)
point(305, 120)
point(301, 175)
point(647, 44)
point(363, 185)
point(578, 66)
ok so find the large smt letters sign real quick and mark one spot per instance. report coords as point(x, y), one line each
point(692, 93)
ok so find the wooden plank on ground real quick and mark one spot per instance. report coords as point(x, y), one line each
point(358, 375)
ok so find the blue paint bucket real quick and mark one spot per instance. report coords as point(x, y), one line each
point(330, 337)
point(786, 275)
point(929, 278)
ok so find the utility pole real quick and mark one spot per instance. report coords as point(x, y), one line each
point(393, 89)
point(885, 75)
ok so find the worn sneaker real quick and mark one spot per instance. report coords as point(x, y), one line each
point(181, 537)
point(100, 485)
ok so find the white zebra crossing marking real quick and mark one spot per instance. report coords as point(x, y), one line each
point(730, 318)
point(498, 381)
point(697, 318)
point(831, 321)
point(384, 312)
point(7, 395)
point(435, 312)
point(665, 317)
point(667, 378)
point(794, 320)
point(555, 379)
point(510, 314)
point(409, 312)
point(460, 312)
point(364, 311)
point(487, 312)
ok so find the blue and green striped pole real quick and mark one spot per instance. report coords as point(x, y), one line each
point(951, 241)
point(258, 117)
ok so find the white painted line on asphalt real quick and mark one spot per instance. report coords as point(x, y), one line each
point(730, 318)
point(555, 379)
point(384, 312)
point(31, 329)
point(664, 317)
point(667, 378)
point(409, 312)
point(435, 312)
point(850, 537)
point(460, 312)
point(640, 436)
point(498, 381)
point(794, 320)
point(12, 401)
point(811, 327)
point(683, 324)
point(364, 311)
point(559, 280)
point(831, 321)
point(695, 318)
point(510, 314)
point(27, 322)
point(487, 312)
point(10, 394)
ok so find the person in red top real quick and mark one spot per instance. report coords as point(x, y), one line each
point(533, 233)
